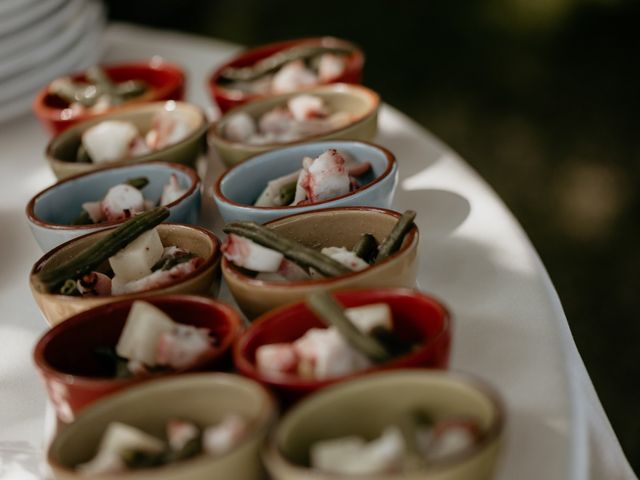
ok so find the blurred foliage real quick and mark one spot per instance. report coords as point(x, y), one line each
point(541, 97)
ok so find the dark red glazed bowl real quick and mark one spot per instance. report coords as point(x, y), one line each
point(73, 374)
point(228, 98)
point(167, 82)
point(416, 316)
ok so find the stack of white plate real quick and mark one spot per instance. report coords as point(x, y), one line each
point(41, 40)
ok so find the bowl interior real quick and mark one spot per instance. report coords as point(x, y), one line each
point(244, 183)
point(72, 350)
point(63, 203)
point(380, 400)
point(202, 398)
point(64, 147)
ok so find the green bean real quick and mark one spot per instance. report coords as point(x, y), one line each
point(394, 240)
point(366, 248)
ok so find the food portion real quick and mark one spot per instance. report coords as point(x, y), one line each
point(116, 140)
point(302, 116)
point(152, 342)
point(125, 200)
point(288, 70)
point(276, 258)
point(97, 93)
point(124, 448)
point(130, 259)
point(330, 175)
point(415, 442)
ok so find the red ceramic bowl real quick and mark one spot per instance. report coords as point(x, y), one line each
point(74, 376)
point(227, 98)
point(167, 82)
point(416, 317)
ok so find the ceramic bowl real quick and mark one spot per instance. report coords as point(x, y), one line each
point(61, 151)
point(416, 318)
point(204, 398)
point(51, 211)
point(75, 376)
point(324, 228)
point(379, 400)
point(203, 281)
point(236, 189)
point(359, 101)
point(167, 82)
point(227, 98)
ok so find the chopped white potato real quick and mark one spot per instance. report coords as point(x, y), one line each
point(109, 141)
point(136, 259)
point(368, 317)
point(142, 332)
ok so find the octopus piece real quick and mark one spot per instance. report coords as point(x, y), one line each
point(277, 358)
point(181, 432)
point(240, 127)
point(346, 257)
point(167, 129)
point(121, 202)
point(293, 76)
point(172, 191)
point(248, 254)
point(157, 279)
point(331, 66)
point(306, 107)
point(323, 178)
point(221, 438)
point(277, 121)
point(94, 209)
point(183, 346)
point(109, 141)
point(94, 284)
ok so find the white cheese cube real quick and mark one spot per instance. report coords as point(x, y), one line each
point(136, 259)
point(368, 317)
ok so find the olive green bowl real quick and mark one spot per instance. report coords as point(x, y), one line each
point(365, 406)
point(361, 102)
point(203, 398)
point(62, 149)
point(203, 281)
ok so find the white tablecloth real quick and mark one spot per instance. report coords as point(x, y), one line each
point(509, 327)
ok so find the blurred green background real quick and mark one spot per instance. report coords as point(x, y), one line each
point(540, 97)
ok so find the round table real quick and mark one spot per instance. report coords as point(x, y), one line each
point(509, 327)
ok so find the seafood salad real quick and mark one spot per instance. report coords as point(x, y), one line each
point(151, 342)
point(356, 339)
point(331, 174)
point(414, 442)
point(302, 116)
point(124, 447)
point(124, 200)
point(136, 257)
point(288, 70)
point(276, 258)
point(98, 93)
point(115, 140)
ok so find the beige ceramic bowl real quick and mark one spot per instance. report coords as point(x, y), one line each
point(340, 227)
point(203, 398)
point(61, 151)
point(361, 102)
point(204, 281)
point(378, 400)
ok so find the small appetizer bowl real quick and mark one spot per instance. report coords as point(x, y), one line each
point(325, 228)
point(382, 399)
point(166, 82)
point(203, 281)
point(236, 189)
point(228, 98)
point(76, 377)
point(361, 102)
point(62, 149)
point(416, 318)
point(204, 398)
point(52, 211)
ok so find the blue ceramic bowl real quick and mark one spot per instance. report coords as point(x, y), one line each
point(51, 211)
point(236, 190)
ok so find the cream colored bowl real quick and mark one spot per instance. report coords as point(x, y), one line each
point(204, 398)
point(340, 227)
point(367, 405)
point(204, 281)
point(361, 102)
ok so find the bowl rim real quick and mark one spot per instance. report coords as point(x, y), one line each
point(156, 62)
point(486, 390)
point(413, 236)
point(212, 81)
point(391, 165)
point(372, 97)
point(266, 416)
point(33, 218)
point(228, 315)
point(80, 127)
point(246, 367)
point(209, 263)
